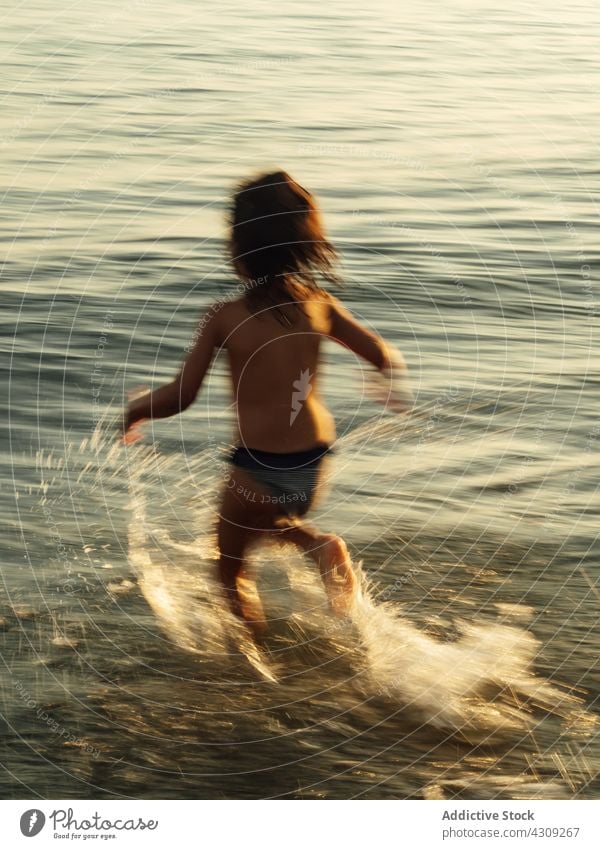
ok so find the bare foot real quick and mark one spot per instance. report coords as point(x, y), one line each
point(251, 607)
point(337, 574)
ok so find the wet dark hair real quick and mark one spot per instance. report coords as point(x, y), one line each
point(277, 242)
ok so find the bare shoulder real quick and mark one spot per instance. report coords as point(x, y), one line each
point(225, 317)
point(231, 312)
point(319, 307)
point(338, 314)
point(331, 303)
point(219, 314)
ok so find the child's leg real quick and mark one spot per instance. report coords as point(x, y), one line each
point(235, 535)
point(331, 555)
point(243, 518)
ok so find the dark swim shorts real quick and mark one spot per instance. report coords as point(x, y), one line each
point(291, 480)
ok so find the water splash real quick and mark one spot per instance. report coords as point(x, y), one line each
point(484, 679)
point(377, 668)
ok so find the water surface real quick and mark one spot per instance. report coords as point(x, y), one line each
point(455, 155)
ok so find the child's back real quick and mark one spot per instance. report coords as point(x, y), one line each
point(274, 367)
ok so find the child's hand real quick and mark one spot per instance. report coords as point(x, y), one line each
point(133, 416)
point(399, 402)
point(399, 394)
point(131, 432)
point(392, 386)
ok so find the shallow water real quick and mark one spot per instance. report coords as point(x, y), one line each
point(455, 158)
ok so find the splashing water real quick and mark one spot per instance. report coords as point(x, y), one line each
point(451, 684)
point(482, 680)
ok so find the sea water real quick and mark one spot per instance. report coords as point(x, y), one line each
point(454, 155)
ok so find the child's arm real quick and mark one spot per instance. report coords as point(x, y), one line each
point(346, 330)
point(174, 397)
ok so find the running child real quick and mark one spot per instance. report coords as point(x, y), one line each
point(272, 336)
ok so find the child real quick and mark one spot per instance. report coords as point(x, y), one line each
point(272, 335)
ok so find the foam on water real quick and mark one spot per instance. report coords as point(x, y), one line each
point(185, 606)
point(462, 684)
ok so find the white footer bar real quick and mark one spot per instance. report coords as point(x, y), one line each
point(300, 824)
